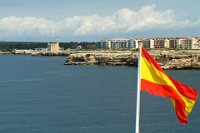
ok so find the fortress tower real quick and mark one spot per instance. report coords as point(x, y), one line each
point(53, 47)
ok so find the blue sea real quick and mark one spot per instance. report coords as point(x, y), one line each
point(41, 95)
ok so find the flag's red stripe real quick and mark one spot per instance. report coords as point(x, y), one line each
point(180, 111)
point(159, 90)
point(185, 90)
point(166, 91)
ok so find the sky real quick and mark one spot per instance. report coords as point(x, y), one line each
point(94, 20)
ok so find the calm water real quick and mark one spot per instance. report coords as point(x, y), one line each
point(41, 95)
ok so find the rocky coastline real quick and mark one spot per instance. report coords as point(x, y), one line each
point(65, 53)
point(167, 59)
point(36, 53)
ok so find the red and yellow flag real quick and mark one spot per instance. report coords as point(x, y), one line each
point(155, 81)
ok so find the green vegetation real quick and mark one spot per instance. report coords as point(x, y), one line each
point(84, 45)
point(9, 46)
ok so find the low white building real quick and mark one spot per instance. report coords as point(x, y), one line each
point(40, 49)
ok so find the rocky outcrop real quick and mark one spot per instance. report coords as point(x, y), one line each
point(40, 53)
point(182, 62)
point(65, 53)
point(5, 52)
point(100, 59)
point(166, 59)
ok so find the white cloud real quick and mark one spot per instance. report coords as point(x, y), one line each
point(28, 25)
point(121, 21)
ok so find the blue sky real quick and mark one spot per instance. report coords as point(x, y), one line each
point(93, 20)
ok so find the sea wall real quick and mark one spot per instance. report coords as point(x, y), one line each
point(167, 59)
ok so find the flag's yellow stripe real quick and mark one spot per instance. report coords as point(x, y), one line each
point(150, 73)
point(189, 104)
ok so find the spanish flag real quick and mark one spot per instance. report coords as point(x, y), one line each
point(155, 81)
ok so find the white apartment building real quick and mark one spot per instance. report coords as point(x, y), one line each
point(153, 43)
point(158, 43)
point(172, 43)
point(184, 43)
point(116, 43)
point(196, 43)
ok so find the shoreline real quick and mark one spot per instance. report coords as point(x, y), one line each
point(167, 59)
point(35, 53)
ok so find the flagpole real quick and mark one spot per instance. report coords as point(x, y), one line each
point(137, 123)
